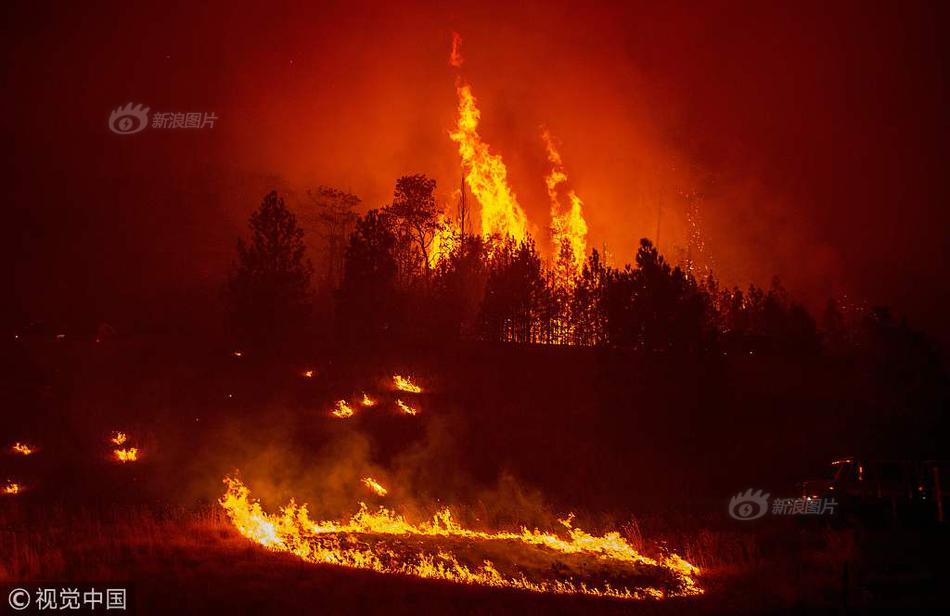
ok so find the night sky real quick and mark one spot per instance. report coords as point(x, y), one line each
point(816, 132)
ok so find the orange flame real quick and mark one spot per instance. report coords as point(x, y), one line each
point(569, 228)
point(486, 174)
point(444, 240)
point(405, 408)
point(343, 410)
point(130, 454)
point(367, 401)
point(308, 374)
point(23, 449)
point(119, 438)
point(375, 486)
point(406, 384)
point(12, 487)
point(360, 542)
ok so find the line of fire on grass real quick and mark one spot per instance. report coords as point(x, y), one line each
point(376, 541)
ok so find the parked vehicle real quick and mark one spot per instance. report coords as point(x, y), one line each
point(898, 488)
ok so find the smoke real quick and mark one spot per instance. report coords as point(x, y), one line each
point(455, 57)
point(823, 129)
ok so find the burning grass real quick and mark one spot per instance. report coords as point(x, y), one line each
point(23, 449)
point(533, 560)
point(404, 383)
point(342, 410)
point(127, 454)
point(405, 409)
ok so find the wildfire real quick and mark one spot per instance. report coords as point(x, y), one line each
point(405, 408)
point(23, 449)
point(569, 228)
point(375, 486)
point(406, 384)
point(486, 174)
point(308, 374)
point(130, 454)
point(342, 410)
point(367, 401)
point(12, 487)
point(444, 241)
point(119, 438)
point(444, 549)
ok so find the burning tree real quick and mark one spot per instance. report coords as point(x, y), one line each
point(269, 287)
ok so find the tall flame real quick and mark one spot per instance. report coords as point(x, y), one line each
point(569, 229)
point(486, 174)
point(361, 542)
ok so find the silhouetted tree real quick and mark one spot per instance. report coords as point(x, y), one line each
point(588, 302)
point(368, 303)
point(335, 216)
point(415, 218)
point(460, 286)
point(269, 287)
point(516, 294)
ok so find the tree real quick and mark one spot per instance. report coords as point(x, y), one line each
point(588, 299)
point(335, 216)
point(517, 297)
point(460, 285)
point(367, 299)
point(269, 287)
point(416, 217)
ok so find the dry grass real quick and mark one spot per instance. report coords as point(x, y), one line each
point(59, 543)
